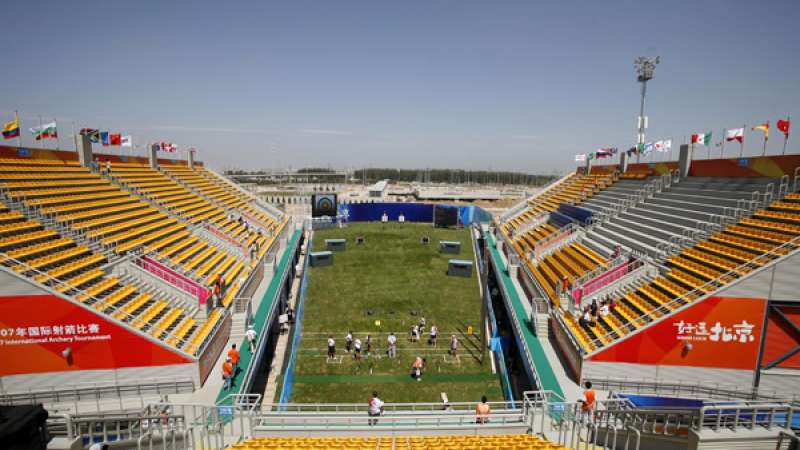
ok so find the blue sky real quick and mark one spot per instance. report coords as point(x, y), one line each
point(519, 85)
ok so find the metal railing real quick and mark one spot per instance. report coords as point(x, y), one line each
point(702, 291)
point(117, 313)
point(707, 389)
point(515, 321)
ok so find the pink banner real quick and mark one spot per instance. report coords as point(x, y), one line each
point(594, 285)
point(174, 278)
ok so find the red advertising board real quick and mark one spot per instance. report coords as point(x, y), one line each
point(719, 332)
point(45, 333)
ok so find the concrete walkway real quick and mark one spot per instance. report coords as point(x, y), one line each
point(547, 365)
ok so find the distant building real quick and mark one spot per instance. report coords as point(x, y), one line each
point(378, 189)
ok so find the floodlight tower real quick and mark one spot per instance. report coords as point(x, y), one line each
point(645, 71)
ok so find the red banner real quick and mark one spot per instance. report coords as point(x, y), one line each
point(719, 332)
point(174, 278)
point(45, 333)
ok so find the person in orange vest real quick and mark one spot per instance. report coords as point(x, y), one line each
point(233, 356)
point(587, 408)
point(482, 411)
point(227, 374)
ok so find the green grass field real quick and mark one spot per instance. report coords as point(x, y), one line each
point(387, 279)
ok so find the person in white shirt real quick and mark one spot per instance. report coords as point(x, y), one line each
point(392, 341)
point(453, 345)
point(251, 338)
point(331, 347)
point(357, 347)
point(434, 335)
point(422, 324)
point(415, 334)
point(375, 408)
point(604, 311)
point(348, 342)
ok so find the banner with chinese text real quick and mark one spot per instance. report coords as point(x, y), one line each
point(719, 332)
point(35, 331)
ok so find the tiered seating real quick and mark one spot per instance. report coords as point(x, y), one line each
point(575, 189)
point(489, 441)
point(104, 212)
point(709, 264)
point(571, 261)
point(87, 203)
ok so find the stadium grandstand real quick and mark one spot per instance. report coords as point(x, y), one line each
point(666, 290)
point(359, 226)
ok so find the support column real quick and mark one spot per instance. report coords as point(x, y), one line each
point(84, 148)
point(588, 167)
point(152, 152)
point(623, 162)
point(190, 159)
point(685, 160)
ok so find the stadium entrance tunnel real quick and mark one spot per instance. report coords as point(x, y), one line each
point(518, 379)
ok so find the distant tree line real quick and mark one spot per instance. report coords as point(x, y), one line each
point(453, 176)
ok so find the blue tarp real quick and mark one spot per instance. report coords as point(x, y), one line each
point(413, 212)
point(576, 213)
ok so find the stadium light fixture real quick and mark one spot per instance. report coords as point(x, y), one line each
point(645, 71)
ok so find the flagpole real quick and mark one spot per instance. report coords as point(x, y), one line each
point(19, 129)
point(724, 138)
point(786, 135)
point(766, 137)
point(741, 143)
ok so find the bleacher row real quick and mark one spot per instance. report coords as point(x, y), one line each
point(104, 220)
point(574, 189)
point(571, 261)
point(484, 442)
point(717, 258)
point(707, 265)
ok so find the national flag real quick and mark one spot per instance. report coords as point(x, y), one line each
point(701, 138)
point(647, 148)
point(93, 134)
point(126, 141)
point(783, 126)
point(663, 146)
point(764, 127)
point(168, 147)
point(11, 129)
point(46, 131)
point(604, 152)
point(736, 134)
point(659, 145)
point(631, 151)
point(104, 138)
point(114, 139)
point(580, 158)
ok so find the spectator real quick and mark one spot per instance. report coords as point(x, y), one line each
point(604, 311)
point(251, 338)
point(357, 348)
point(593, 307)
point(374, 408)
point(392, 341)
point(587, 318)
point(482, 411)
point(227, 374)
point(434, 335)
point(565, 283)
point(331, 347)
point(233, 355)
point(99, 446)
point(558, 287)
point(290, 314)
point(348, 341)
point(108, 167)
point(453, 345)
point(421, 325)
point(587, 404)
